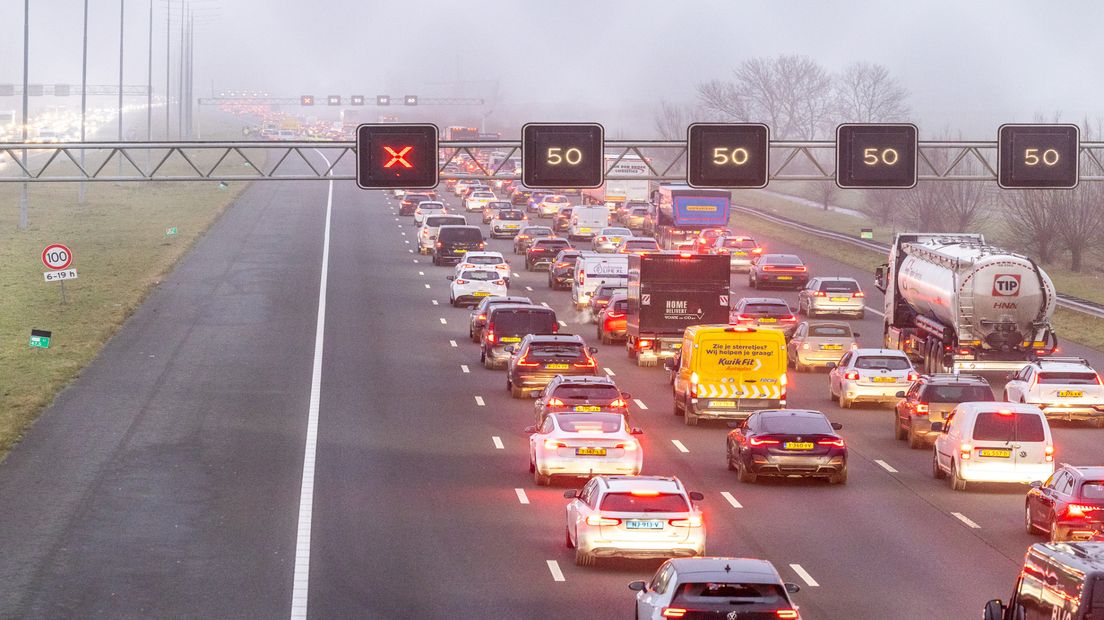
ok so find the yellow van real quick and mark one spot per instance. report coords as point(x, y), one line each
point(726, 372)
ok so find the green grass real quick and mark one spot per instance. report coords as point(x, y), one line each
point(120, 252)
point(838, 250)
point(829, 220)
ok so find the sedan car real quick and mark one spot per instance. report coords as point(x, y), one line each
point(781, 270)
point(870, 375)
point(474, 284)
point(551, 203)
point(789, 443)
point(707, 237)
point(426, 208)
point(1068, 506)
point(586, 394)
point(634, 217)
point(931, 399)
point(485, 260)
point(609, 238)
point(581, 445)
point(507, 223)
point(478, 318)
point(832, 296)
point(527, 234)
point(538, 358)
point(613, 319)
point(533, 204)
point(763, 312)
point(477, 199)
point(634, 517)
point(561, 222)
point(561, 271)
point(816, 344)
point(715, 588)
point(493, 207)
point(638, 245)
point(742, 251)
point(543, 251)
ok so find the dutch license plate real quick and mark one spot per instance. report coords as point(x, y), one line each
point(1070, 393)
point(677, 345)
point(556, 366)
point(723, 403)
point(838, 298)
point(460, 251)
point(638, 524)
point(510, 226)
point(998, 453)
point(616, 239)
point(765, 320)
point(884, 379)
point(511, 339)
point(831, 347)
point(798, 445)
point(481, 293)
point(590, 451)
point(584, 230)
point(739, 253)
point(785, 277)
point(588, 408)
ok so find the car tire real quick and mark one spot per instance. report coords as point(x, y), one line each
point(899, 433)
point(582, 558)
point(915, 442)
point(1029, 525)
point(541, 479)
point(604, 337)
point(753, 283)
point(861, 315)
point(728, 459)
point(937, 472)
point(958, 483)
point(528, 266)
point(532, 466)
point(1097, 422)
point(678, 410)
point(840, 478)
point(744, 475)
point(799, 367)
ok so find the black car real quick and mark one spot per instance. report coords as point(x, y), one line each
point(574, 394)
point(788, 443)
point(411, 199)
point(507, 324)
point(561, 271)
point(541, 252)
point(1068, 506)
point(455, 241)
point(478, 319)
point(541, 357)
point(780, 270)
point(931, 399)
point(1058, 580)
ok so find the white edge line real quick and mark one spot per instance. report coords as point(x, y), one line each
point(804, 574)
point(522, 498)
point(610, 372)
point(554, 568)
point(731, 500)
point(681, 448)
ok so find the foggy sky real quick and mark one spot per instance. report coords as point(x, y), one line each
point(969, 65)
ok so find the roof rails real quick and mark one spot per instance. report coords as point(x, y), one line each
point(1064, 360)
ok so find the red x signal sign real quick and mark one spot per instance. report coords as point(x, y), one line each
point(396, 156)
point(399, 157)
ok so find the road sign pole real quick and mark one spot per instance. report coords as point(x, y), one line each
point(64, 298)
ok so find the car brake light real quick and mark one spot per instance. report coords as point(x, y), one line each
point(482, 245)
point(691, 521)
point(787, 614)
point(922, 408)
point(615, 315)
point(789, 319)
point(628, 446)
point(481, 317)
point(819, 294)
point(851, 375)
point(461, 281)
point(500, 282)
point(536, 249)
point(618, 402)
point(440, 245)
point(831, 442)
point(525, 362)
point(644, 493)
point(644, 344)
point(913, 376)
point(555, 402)
point(805, 346)
point(755, 441)
point(744, 317)
point(1049, 454)
point(757, 250)
point(1004, 412)
point(600, 520)
point(858, 294)
point(552, 444)
point(673, 612)
point(1078, 511)
point(589, 363)
point(966, 450)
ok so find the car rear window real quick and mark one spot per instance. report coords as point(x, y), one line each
point(1092, 489)
point(483, 260)
point(586, 392)
point(460, 234)
point(564, 211)
point(628, 502)
point(767, 309)
point(481, 275)
point(482, 195)
point(498, 204)
point(520, 322)
point(639, 211)
point(830, 331)
point(538, 231)
point(1067, 378)
point(552, 244)
point(557, 350)
point(431, 206)
point(556, 199)
point(641, 244)
point(624, 232)
point(595, 422)
point(511, 215)
point(434, 221)
point(781, 259)
point(993, 426)
point(744, 593)
point(880, 362)
point(743, 244)
point(956, 393)
point(621, 305)
point(605, 292)
point(794, 425)
point(416, 198)
point(839, 286)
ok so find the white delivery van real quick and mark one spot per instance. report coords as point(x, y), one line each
point(586, 221)
point(993, 442)
point(593, 269)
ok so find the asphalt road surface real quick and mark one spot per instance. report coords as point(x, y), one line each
point(169, 480)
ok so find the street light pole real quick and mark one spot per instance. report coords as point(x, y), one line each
point(149, 80)
point(168, 72)
point(84, 97)
point(180, 90)
point(26, 47)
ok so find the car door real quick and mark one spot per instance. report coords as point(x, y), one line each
point(578, 508)
point(1014, 390)
point(805, 293)
point(652, 600)
point(945, 441)
point(1048, 496)
point(835, 374)
point(907, 405)
point(797, 340)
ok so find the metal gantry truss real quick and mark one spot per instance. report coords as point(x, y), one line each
point(320, 102)
point(316, 161)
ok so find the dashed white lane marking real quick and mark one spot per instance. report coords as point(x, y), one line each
point(562, 324)
point(427, 286)
point(516, 275)
point(609, 371)
point(396, 219)
point(545, 304)
point(479, 401)
point(421, 273)
point(434, 302)
point(400, 225)
point(678, 444)
point(452, 343)
point(411, 251)
point(804, 574)
point(464, 368)
point(885, 466)
point(529, 288)
point(731, 500)
point(406, 240)
point(414, 259)
point(879, 313)
point(640, 403)
point(404, 233)
point(521, 496)
point(554, 568)
point(966, 520)
point(443, 321)
point(497, 442)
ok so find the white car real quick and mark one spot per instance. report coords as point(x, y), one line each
point(870, 375)
point(634, 517)
point(475, 200)
point(715, 588)
point(475, 284)
point(581, 445)
point(485, 260)
point(427, 232)
point(993, 442)
point(426, 208)
point(610, 238)
point(550, 204)
point(463, 185)
point(1064, 388)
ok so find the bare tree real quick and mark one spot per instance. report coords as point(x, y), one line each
point(721, 100)
point(867, 93)
point(884, 206)
point(963, 203)
point(1079, 213)
point(672, 120)
point(806, 88)
point(924, 207)
point(1031, 219)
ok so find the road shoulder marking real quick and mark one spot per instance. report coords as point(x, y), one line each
point(885, 466)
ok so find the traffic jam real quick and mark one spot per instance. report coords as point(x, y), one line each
point(762, 349)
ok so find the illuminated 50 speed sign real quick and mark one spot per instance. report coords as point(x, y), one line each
point(56, 256)
point(876, 155)
point(562, 155)
point(1038, 156)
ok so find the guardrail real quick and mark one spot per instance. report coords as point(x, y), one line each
point(1068, 302)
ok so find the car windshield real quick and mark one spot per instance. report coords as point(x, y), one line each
point(483, 260)
point(1067, 378)
point(621, 305)
point(829, 331)
point(766, 308)
point(480, 275)
point(956, 393)
point(586, 392)
point(882, 362)
point(513, 216)
point(519, 322)
point(746, 593)
point(592, 422)
point(794, 425)
point(644, 502)
point(743, 244)
point(839, 286)
point(996, 426)
point(1092, 489)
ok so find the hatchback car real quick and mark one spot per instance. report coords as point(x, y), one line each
point(582, 445)
point(574, 394)
point(541, 357)
point(478, 318)
point(832, 296)
point(485, 260)
point(870, 375)
point(410, 201)
point(471, 285)
point(561, 271)
point(1066, 388)
point(718, 588)
point(788, 443)
point(638, 245)
point(507, 223)
point(427, 232)
point(493, 207)
point(601, 298)
point(781, 270)
point(930, 399)
point(609, 238)
point(426, 208)
point(817, 343)
point(561, 222)
point(993, 442)
point(763, 312)
point(507, 325)
point(543, 251)
point(613, 319)
point(634, 217)
point(475, 200)
point(707, 237)
point(634, 517)
point(527, 234)
point(1068, 506)
point(550, 203)
point(741, 251)
point(453, 242)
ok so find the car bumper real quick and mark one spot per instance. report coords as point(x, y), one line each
point(504, 231)
point(975, 471)
point(476, 297)
point(584, 466)
point(539, 379)
point(797, 464)
point(1067, 411)
point(818, 358)
point(827, 307)
point(874, 393)
point(1080, 530)
point(605, 248)
point(642, 548)
point(715, 409)
point(795, 281)
point(615, 333)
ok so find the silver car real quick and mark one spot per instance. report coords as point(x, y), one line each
point(834, 295)
point(815, 344)
point(607, 239)
point(870, 375)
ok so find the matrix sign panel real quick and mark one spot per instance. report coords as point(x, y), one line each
point(562, 155)
point(876, 155)
point(727, 155)
point(390, 156)
point(1038, 156)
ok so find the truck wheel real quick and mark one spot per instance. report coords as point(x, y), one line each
point(898, 432)
point(630, 348)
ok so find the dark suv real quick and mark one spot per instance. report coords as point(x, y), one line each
point(478, 318)
point(570, 394)
point(540, 357)
point(411, 199)
point(453, 242)
point(562, 269)
point(542, 251)
point(507, 324)
point(1068, 506)
point(930, 399)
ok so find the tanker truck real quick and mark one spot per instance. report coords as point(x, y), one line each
point(953, 302)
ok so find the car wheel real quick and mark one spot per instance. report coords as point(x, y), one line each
point(517, 392)
point(744, 475)
point(1097, 422)
point(728, 458)
point(528, 266)
point(436, 263)
point(604, 337)
point(915, 442)
point(541, 479)
point(1029, 525)
point(582, 558)
point(452, 302)
point(958, 483)
point(840, 478)
point(532, 466)
point(899, 433)
point(1055, 533)
point(678, 409)
point(799, 367)
point(937, 472)
point(862, 314)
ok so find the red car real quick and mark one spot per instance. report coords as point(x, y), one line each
point(1068, 506)
point(611, 319)
point(708, 237)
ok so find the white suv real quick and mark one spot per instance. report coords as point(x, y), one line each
point(870, 375)
point(476, 200)
point(993, 442)
point(1064, 388)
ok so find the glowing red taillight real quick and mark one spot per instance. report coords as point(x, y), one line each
point(787, 614)
point(555, 402)
point(851, 375)
point(756, 441)
point(858, 294)
point(615, 315)
point(965, 450)
point(691, 521)
point(588, 363)
point(1077, 511)
point(819, 294)
point(643, 344)
point(922, 409)
point(673, 612)
point(838, 443)
point(618, 402)
point(461, 281)
point(527, 363)
point(490, 334)
point(552, 444)
point(1048, 454)
point(912, 376)
point(600, 520)
point(789, 319)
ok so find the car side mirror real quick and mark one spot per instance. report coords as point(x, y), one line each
point(626, 395)
point(836, 426)
point(994, 610)
point(572, 494)
point(900, 394)
point(1035, 484)
point(450, 278)
point(792, 588)
point(735, 424)
point(831, 365)
point(638, 586)
point(636, 430)
point(510, 348)
point(937, 427)
point(534, 394)
point(592, 350)
point(854, 335)
point(1009, 377)
point(669, 363)
point(530, 429)
point(696, 496)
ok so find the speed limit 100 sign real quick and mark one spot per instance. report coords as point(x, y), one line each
point(56, 256)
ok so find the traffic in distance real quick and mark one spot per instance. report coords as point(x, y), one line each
point(967, 368)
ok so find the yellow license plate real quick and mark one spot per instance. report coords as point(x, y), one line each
point(723, 403)
point(739, 253)
point(768, 320)
point(616, 239)
point(461, 251)
point(1070, 393)
point(511, 339)
point(677, 345)
point(590, 451)
point(798, 445)
point(839, 298)
point(884, 380)
point(510, 226)
point(1003, 454)
point(584, 230)
point(588, 408)
point(556, 366)
point(831, 347)
point(481, 293)
point(785, 277)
